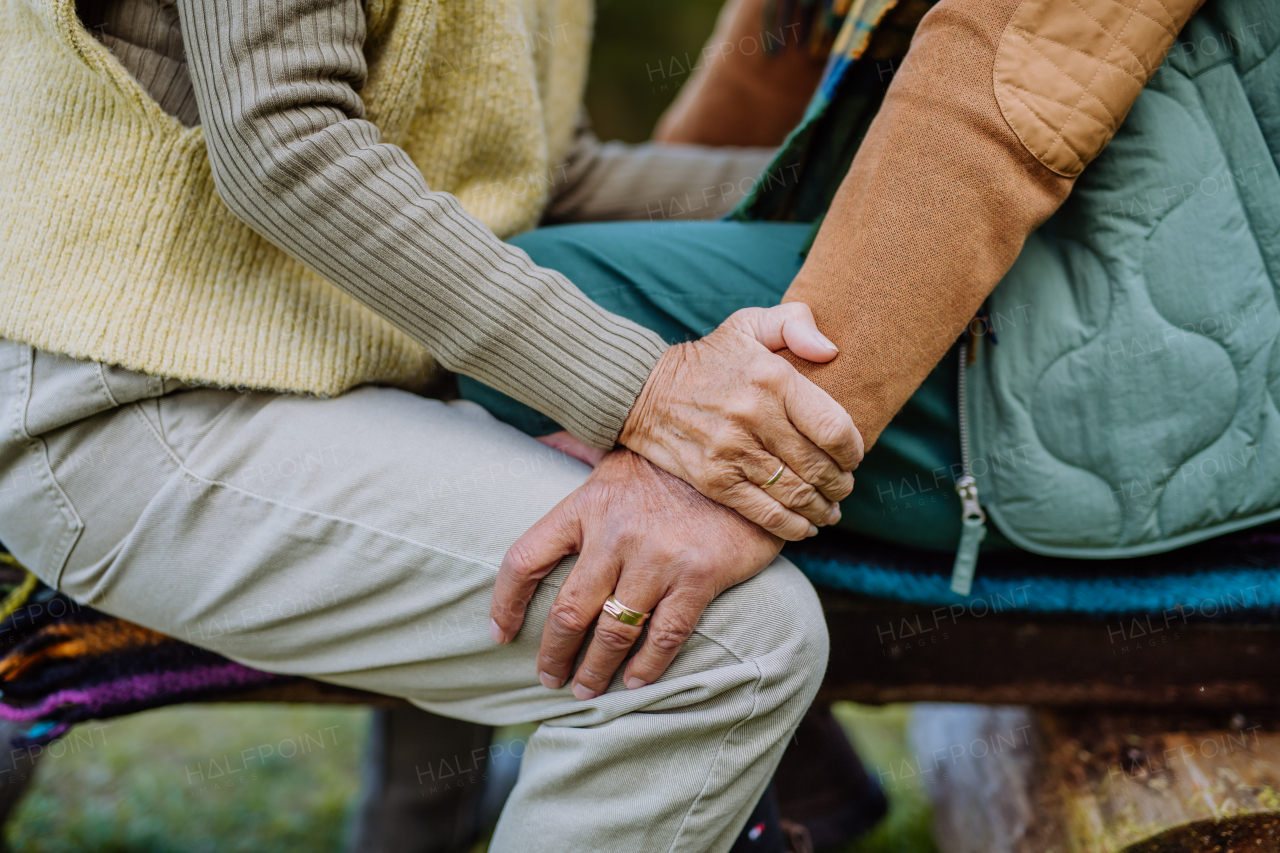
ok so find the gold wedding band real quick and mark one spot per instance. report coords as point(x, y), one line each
point(623, 613)
point(776, 475)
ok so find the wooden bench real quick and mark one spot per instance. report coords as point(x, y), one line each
point(1148, 735)
point(1099, 736)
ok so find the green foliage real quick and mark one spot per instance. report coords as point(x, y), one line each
point(642, 56)
point(880, 737)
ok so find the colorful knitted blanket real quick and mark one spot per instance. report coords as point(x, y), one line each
point(62, 663)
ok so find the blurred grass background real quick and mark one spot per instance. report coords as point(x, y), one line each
point(175, 780)
point(166, 781)
point(148, 783)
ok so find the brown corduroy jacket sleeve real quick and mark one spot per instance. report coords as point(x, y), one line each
point(998, 107)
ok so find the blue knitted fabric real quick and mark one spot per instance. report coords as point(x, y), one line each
point(1231, 578)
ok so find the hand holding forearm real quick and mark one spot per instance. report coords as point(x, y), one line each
point(733, 419)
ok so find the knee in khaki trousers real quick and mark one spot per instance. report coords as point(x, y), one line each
point(355, 540)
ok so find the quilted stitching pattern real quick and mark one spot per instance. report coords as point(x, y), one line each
point(1131, 405)
point(1067, 70)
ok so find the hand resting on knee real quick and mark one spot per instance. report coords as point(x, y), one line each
point(642, 535)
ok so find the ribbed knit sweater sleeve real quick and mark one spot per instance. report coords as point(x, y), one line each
point(276, 84)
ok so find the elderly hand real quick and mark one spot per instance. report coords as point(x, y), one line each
point(726, 414)
point(647, 537)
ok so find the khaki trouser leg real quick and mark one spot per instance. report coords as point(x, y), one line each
point(356, 540)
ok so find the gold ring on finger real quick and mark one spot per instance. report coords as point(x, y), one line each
point(623, 613)
point(776, 476)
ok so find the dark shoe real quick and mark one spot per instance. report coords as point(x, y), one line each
point(424, 781)
point(822, 786)
point(763, 832)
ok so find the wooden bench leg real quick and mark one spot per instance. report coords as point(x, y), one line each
point(1013, 780)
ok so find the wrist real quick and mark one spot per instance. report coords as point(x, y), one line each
point(640, 422)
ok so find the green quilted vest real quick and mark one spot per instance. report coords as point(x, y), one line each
point(1122, 392)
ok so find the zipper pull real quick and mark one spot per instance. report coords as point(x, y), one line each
point(971, 536)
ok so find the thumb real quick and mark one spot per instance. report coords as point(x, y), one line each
point(791, 326)
point(530, 559)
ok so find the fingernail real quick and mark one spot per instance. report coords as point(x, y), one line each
point(813, 531)
point(634, 683)
point(584, 693)
point(834, 515)
point(494, 631)
point(824, 339)
point(550, 682)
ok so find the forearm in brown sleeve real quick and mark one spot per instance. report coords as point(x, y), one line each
point(998, 107)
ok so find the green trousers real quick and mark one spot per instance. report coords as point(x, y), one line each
point(682, 280)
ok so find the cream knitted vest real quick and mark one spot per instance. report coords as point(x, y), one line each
point(116, 247)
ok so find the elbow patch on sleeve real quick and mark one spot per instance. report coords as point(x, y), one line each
point(1067, 71)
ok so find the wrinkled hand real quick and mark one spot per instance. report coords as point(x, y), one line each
point(722, 413)
point(647, 537)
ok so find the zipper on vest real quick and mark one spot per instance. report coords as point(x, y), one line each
point(973, 520)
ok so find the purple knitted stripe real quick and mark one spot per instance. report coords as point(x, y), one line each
point(140, 688)
point(34, 712)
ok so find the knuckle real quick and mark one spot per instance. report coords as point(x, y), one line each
point(719, 479)
point(794, 311)
point(799, 310)
point(771, 372)
point(772, 517)
point(669, 639)
point(663, 557)
point(842, 488)
point(590, 676)
point(799, 494)
point(819, 470)
point(568, 617)
point(741, 409)
point(508, 610)
point(700, 573)
point(722, 440)
point(795, 529)
point(520, 561)
point(835, 429)
point(613, 638)
point(549, 663)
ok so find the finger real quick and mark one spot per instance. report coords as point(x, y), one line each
point(531, 558)
point(788, 326)
point(823, 421)
point(614, 638)
point(787, 488)
point(795, 493)
point(574, 611)
point(672, 623)
point(754, 504)
point(570, 445)
point(809, 465)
